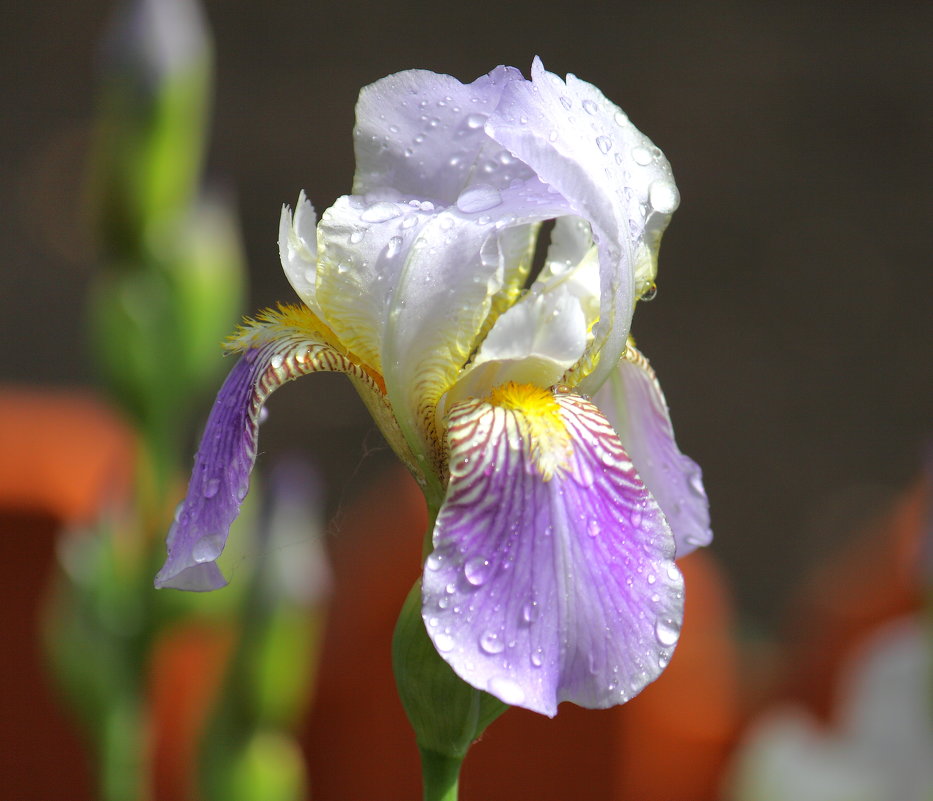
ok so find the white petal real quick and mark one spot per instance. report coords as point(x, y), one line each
point(585, 147)
point(298, 249)
point(422, 134)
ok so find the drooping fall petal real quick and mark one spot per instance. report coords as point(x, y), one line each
point(283, 346)
point(552, 577)
point(634, 403)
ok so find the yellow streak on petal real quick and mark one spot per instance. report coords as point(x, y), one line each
point(539, 417)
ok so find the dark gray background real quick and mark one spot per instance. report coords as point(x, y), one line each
point(791, 331)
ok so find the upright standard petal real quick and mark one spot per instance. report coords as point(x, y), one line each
point(586, 148)
point(634, 403)
point(552, 577)
point(283, 346)
point(422, 134)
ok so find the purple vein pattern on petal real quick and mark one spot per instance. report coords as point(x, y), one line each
point(422, 134)
point(586, 148)
point(633, 401)
point(541, 591)
point(225, 458)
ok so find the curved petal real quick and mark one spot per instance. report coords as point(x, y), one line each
point(552, 577)
point(298, 249)
point(634, 403)
point(585, 147)
point(407, 285)
point(422, 134)
point(286, 346)
point(544, 333)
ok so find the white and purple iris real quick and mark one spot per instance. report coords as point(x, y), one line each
point(558, 517)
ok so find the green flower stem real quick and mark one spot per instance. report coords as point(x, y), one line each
point(447, 714)
point(440, 774)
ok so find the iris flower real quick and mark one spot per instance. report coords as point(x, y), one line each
point(537, 431)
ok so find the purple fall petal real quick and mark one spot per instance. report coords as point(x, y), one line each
point(634, 403)
point(548, 590)
point(225, 458)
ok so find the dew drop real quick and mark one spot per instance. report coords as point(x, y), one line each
point(552, 136)
point(444, 642)
point(537, 657)
point(651, 578)
point(590, 107)
point(276, 361)
point(208, 548)
point(566, 102)
point(636, 518)
point(476, 570)
point(649, 294)
point(263, 415)
point(393, 128)
point(530, 612)
point(491, 643)
point(667, 631)
point(481, 197)
point(506, 690)
point(356, 237)
point(433, 562)
point(593, 528)
point(210, 487)
point(380, 212)
point(475, 121)
point(620, 118)
point(409, 221)
point(642, 156)
point(604, 143)
point(696, 484)
point(393, 246)
point(663, 197)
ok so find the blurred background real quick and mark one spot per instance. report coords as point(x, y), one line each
point(791, 331)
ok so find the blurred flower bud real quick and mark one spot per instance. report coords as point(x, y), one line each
point(152, 126)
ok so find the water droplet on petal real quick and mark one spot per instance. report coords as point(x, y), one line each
point(210, 487)
point(475, 121)
point(650, 293)
point(481, 197)
point(380, 212)
point(604, 143)
point(393, 246)
point(208, 548)
point(620, 118)
point(663, 197)
point(506, 690)
point(444, 642)
point(530, 612)
point(593, 528)
point(356, 237)
point(537, 657)
point(476, 570)
point(642, 156)
point(667, 631)
point(491, 643)
point(566, 102)
point(590, 107)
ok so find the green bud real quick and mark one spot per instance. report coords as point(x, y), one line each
point(446, 713)
point(152, 124)
point(269, 767)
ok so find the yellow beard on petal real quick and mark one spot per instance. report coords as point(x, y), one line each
point(286, 319)
point(540, 423)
